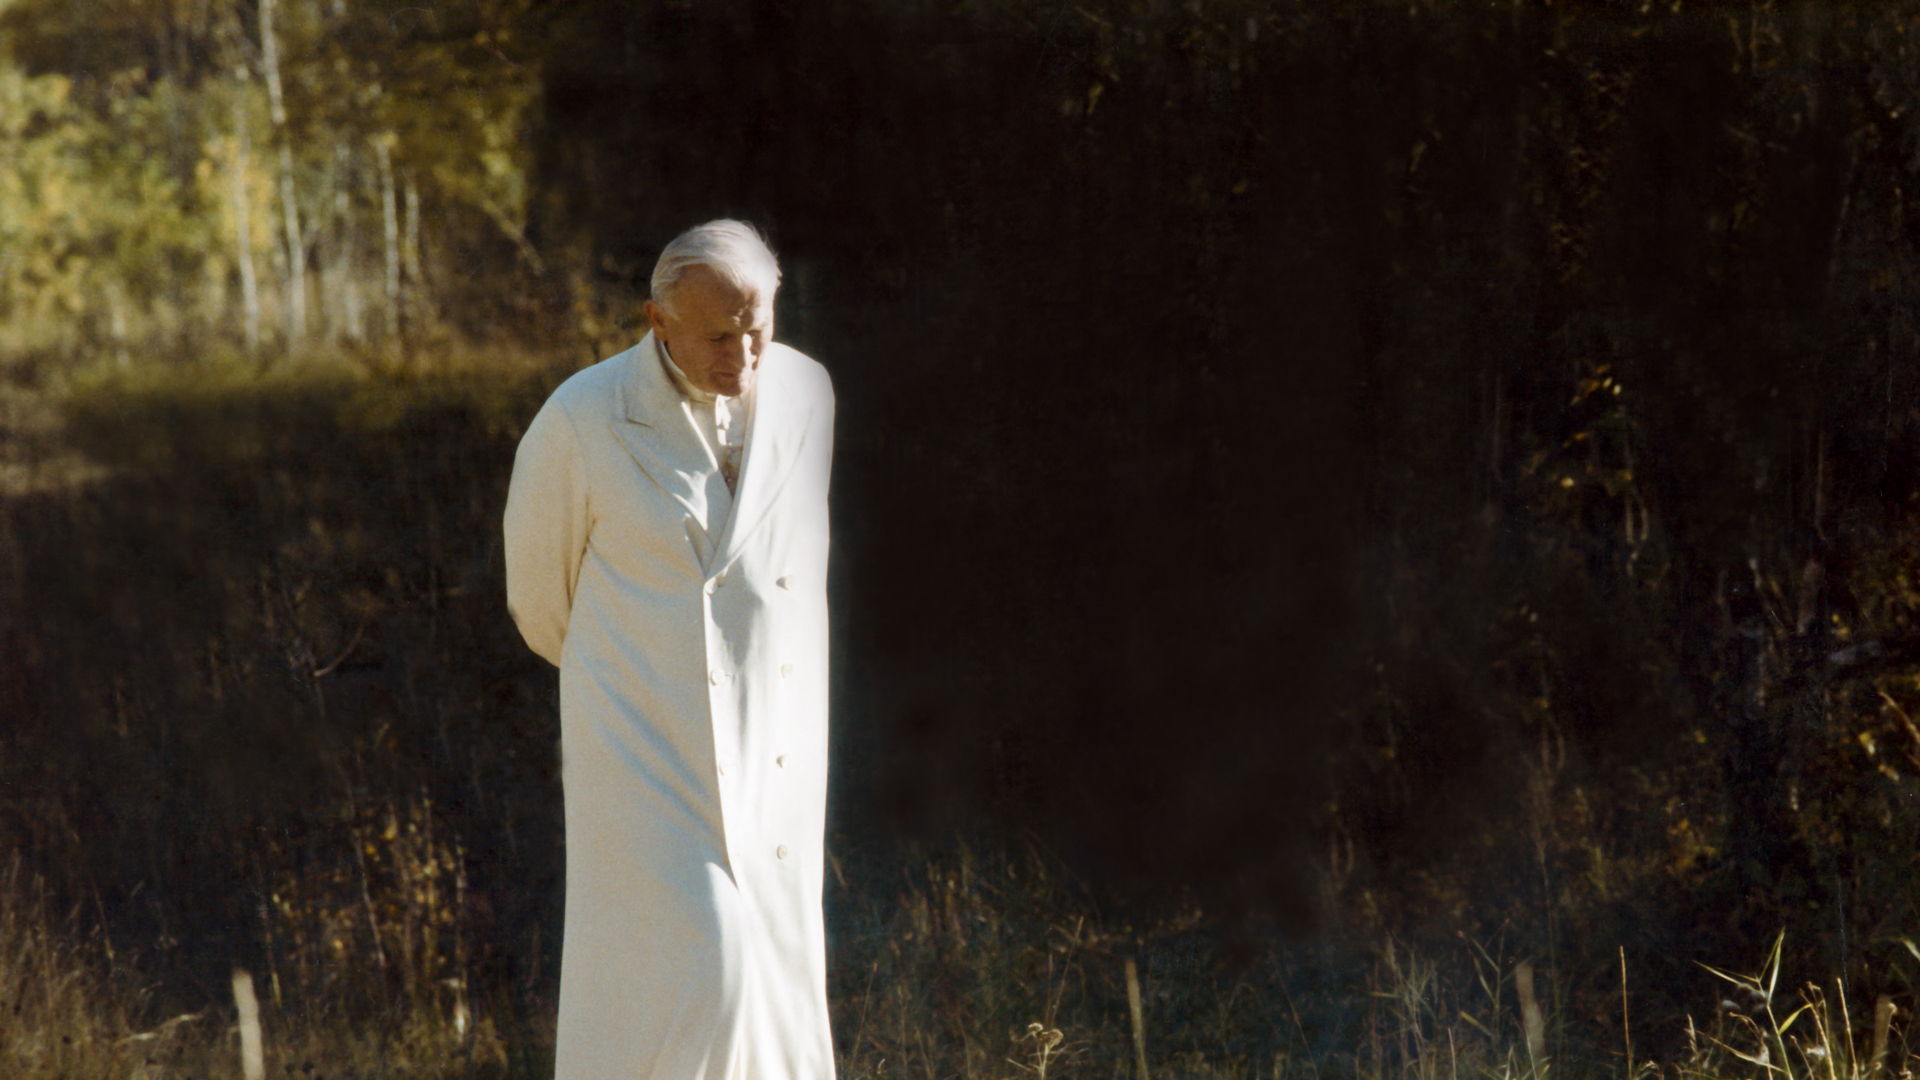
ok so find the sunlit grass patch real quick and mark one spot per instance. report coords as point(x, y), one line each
point(66, 1008)
point(70, 1008)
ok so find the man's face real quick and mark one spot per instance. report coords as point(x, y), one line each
point(716, 332)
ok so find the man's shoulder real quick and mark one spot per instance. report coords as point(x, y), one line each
point(592, 387)
point(803, 374)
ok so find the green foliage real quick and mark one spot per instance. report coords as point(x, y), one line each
point(137, 139)
point(94, 222)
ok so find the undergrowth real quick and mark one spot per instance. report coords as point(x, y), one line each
point(267, 713)
point(974, 966)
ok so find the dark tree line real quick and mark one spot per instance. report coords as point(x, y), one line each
point(1399, 425)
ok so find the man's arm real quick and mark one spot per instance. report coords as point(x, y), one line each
point(546, 529)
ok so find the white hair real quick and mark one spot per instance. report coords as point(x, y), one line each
point(733, 249)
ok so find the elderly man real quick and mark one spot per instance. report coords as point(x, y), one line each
point(666, 547)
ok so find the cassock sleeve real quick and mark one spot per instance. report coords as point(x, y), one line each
point(546, 523)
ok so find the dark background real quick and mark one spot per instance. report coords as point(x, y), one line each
point(1354, 468)
point(1193, 363)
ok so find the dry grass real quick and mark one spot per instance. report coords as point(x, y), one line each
point(74, 1010)
point(1000, 968)
point(978, 968)
point(62, 1012)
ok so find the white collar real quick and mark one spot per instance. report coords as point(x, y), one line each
point(680, 380)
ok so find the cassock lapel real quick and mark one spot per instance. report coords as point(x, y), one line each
point(659, 434)
point(775, 438)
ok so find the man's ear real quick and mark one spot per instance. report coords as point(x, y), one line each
point(656, 317)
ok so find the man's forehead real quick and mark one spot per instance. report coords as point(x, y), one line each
point(748, 314)
point(740, 304)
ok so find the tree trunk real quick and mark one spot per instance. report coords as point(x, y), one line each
point(296, 246)
point(243, 221)
point(117, 324)
point(390, 216)
point(410, 255)
point(344, 286)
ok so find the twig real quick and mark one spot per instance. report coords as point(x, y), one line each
point(1626, 1024)
point(1532, 1022)
point(252, 1059)
point(1139, 1025)
point(1883, 1011)
point(358, 633)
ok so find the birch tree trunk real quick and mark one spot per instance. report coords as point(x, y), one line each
point(242, 219)
point(296, 246)
point(117, 324)
point(345, 287)
point(416, 298)
point(390, 216)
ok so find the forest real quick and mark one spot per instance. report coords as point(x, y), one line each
point(1372, 541)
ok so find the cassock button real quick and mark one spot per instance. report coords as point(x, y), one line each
point(717, 676)
point(780, 852)
point(786, 671)
point(785, 581)
point(713, 586)
point(781, 761)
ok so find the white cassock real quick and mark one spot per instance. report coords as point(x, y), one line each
point(690, 628)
